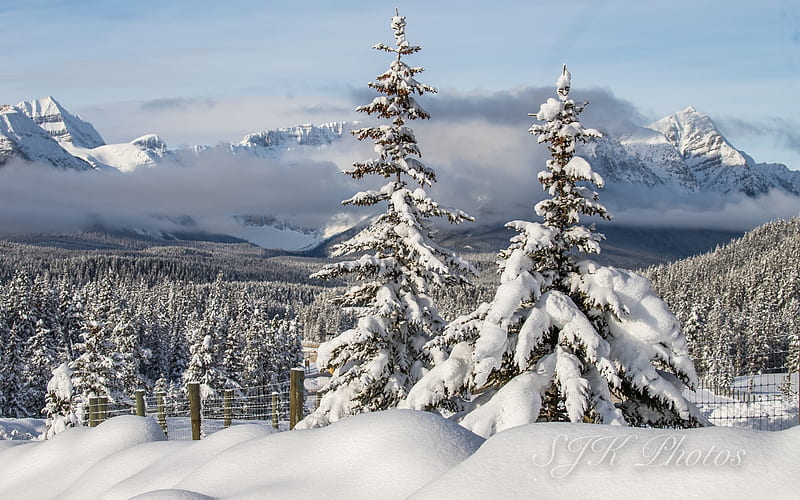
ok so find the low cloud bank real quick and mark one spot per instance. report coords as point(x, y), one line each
point(479, 145)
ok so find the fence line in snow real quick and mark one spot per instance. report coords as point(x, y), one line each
point(189, 416)
point(765, 396)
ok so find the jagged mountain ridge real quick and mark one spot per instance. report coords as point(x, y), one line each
point(73, 137)
point(686, 150)
point(60, 123)
point(21, 137)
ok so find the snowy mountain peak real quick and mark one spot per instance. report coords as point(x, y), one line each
point(150, 141)
point(697, 138)
point(714, 163)
point(51, 116)
point(300, 135)
point(21, 137)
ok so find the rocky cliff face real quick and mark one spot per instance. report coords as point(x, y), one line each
point(21, 137)
point(60, 123)
point(686, 150)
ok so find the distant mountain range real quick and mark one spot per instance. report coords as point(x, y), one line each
point(45, 132)
point(683, 151)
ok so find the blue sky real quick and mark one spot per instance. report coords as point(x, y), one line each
point(139, 67)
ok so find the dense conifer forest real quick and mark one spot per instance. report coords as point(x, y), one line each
point(156, 301)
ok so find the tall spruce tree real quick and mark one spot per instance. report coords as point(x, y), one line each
point(376, 362)
point(94, 370)
point(564, 338)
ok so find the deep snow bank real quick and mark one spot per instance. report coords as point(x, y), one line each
point(379, 455)
point(401, 453)
point(554, 460)
point(51, 469)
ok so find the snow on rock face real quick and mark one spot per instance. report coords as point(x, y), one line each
point(60, 123)
point(21, 137)
point(14, 431)
point(150, 141)
point(266, 141)
point(697, 139)
point(714, 162)
point(147, 151)
point(685, 149)
point(556, 460)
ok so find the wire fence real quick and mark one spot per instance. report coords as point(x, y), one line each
point(268, 405)
point(765, 398)
point(730, 393)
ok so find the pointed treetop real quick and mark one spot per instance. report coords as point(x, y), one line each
point(399, 27)
point(563, 83)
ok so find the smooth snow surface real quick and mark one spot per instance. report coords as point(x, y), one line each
point(400, 454)
point(555, 461)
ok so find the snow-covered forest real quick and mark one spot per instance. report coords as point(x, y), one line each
point(132, 321)
point(739, 304)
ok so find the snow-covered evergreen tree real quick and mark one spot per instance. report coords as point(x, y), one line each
point(287, 348)
point(94, 369)
point(71, 311)
point(59, 409)
point(128, 354)
point(4, 335)
point(21, 324)
point(564, 338)
point(205, 358)
point(256, 353)
point(376, 362)
point(44, 346)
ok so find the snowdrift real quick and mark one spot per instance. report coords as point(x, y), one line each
point(400, 454)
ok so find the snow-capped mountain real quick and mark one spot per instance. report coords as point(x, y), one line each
point(266, 142)
point(146, 151)
point(21, 137)
point(684, 152)
point(685, 149)
point(60, 123)
point(151, 151)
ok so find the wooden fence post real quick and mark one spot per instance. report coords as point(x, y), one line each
point(194, 408)
point(162, 414)
point(102, 406)
point(275, 410)
point(140, 409)
point(227, 408)
point(93, 412)
point(296, 393)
